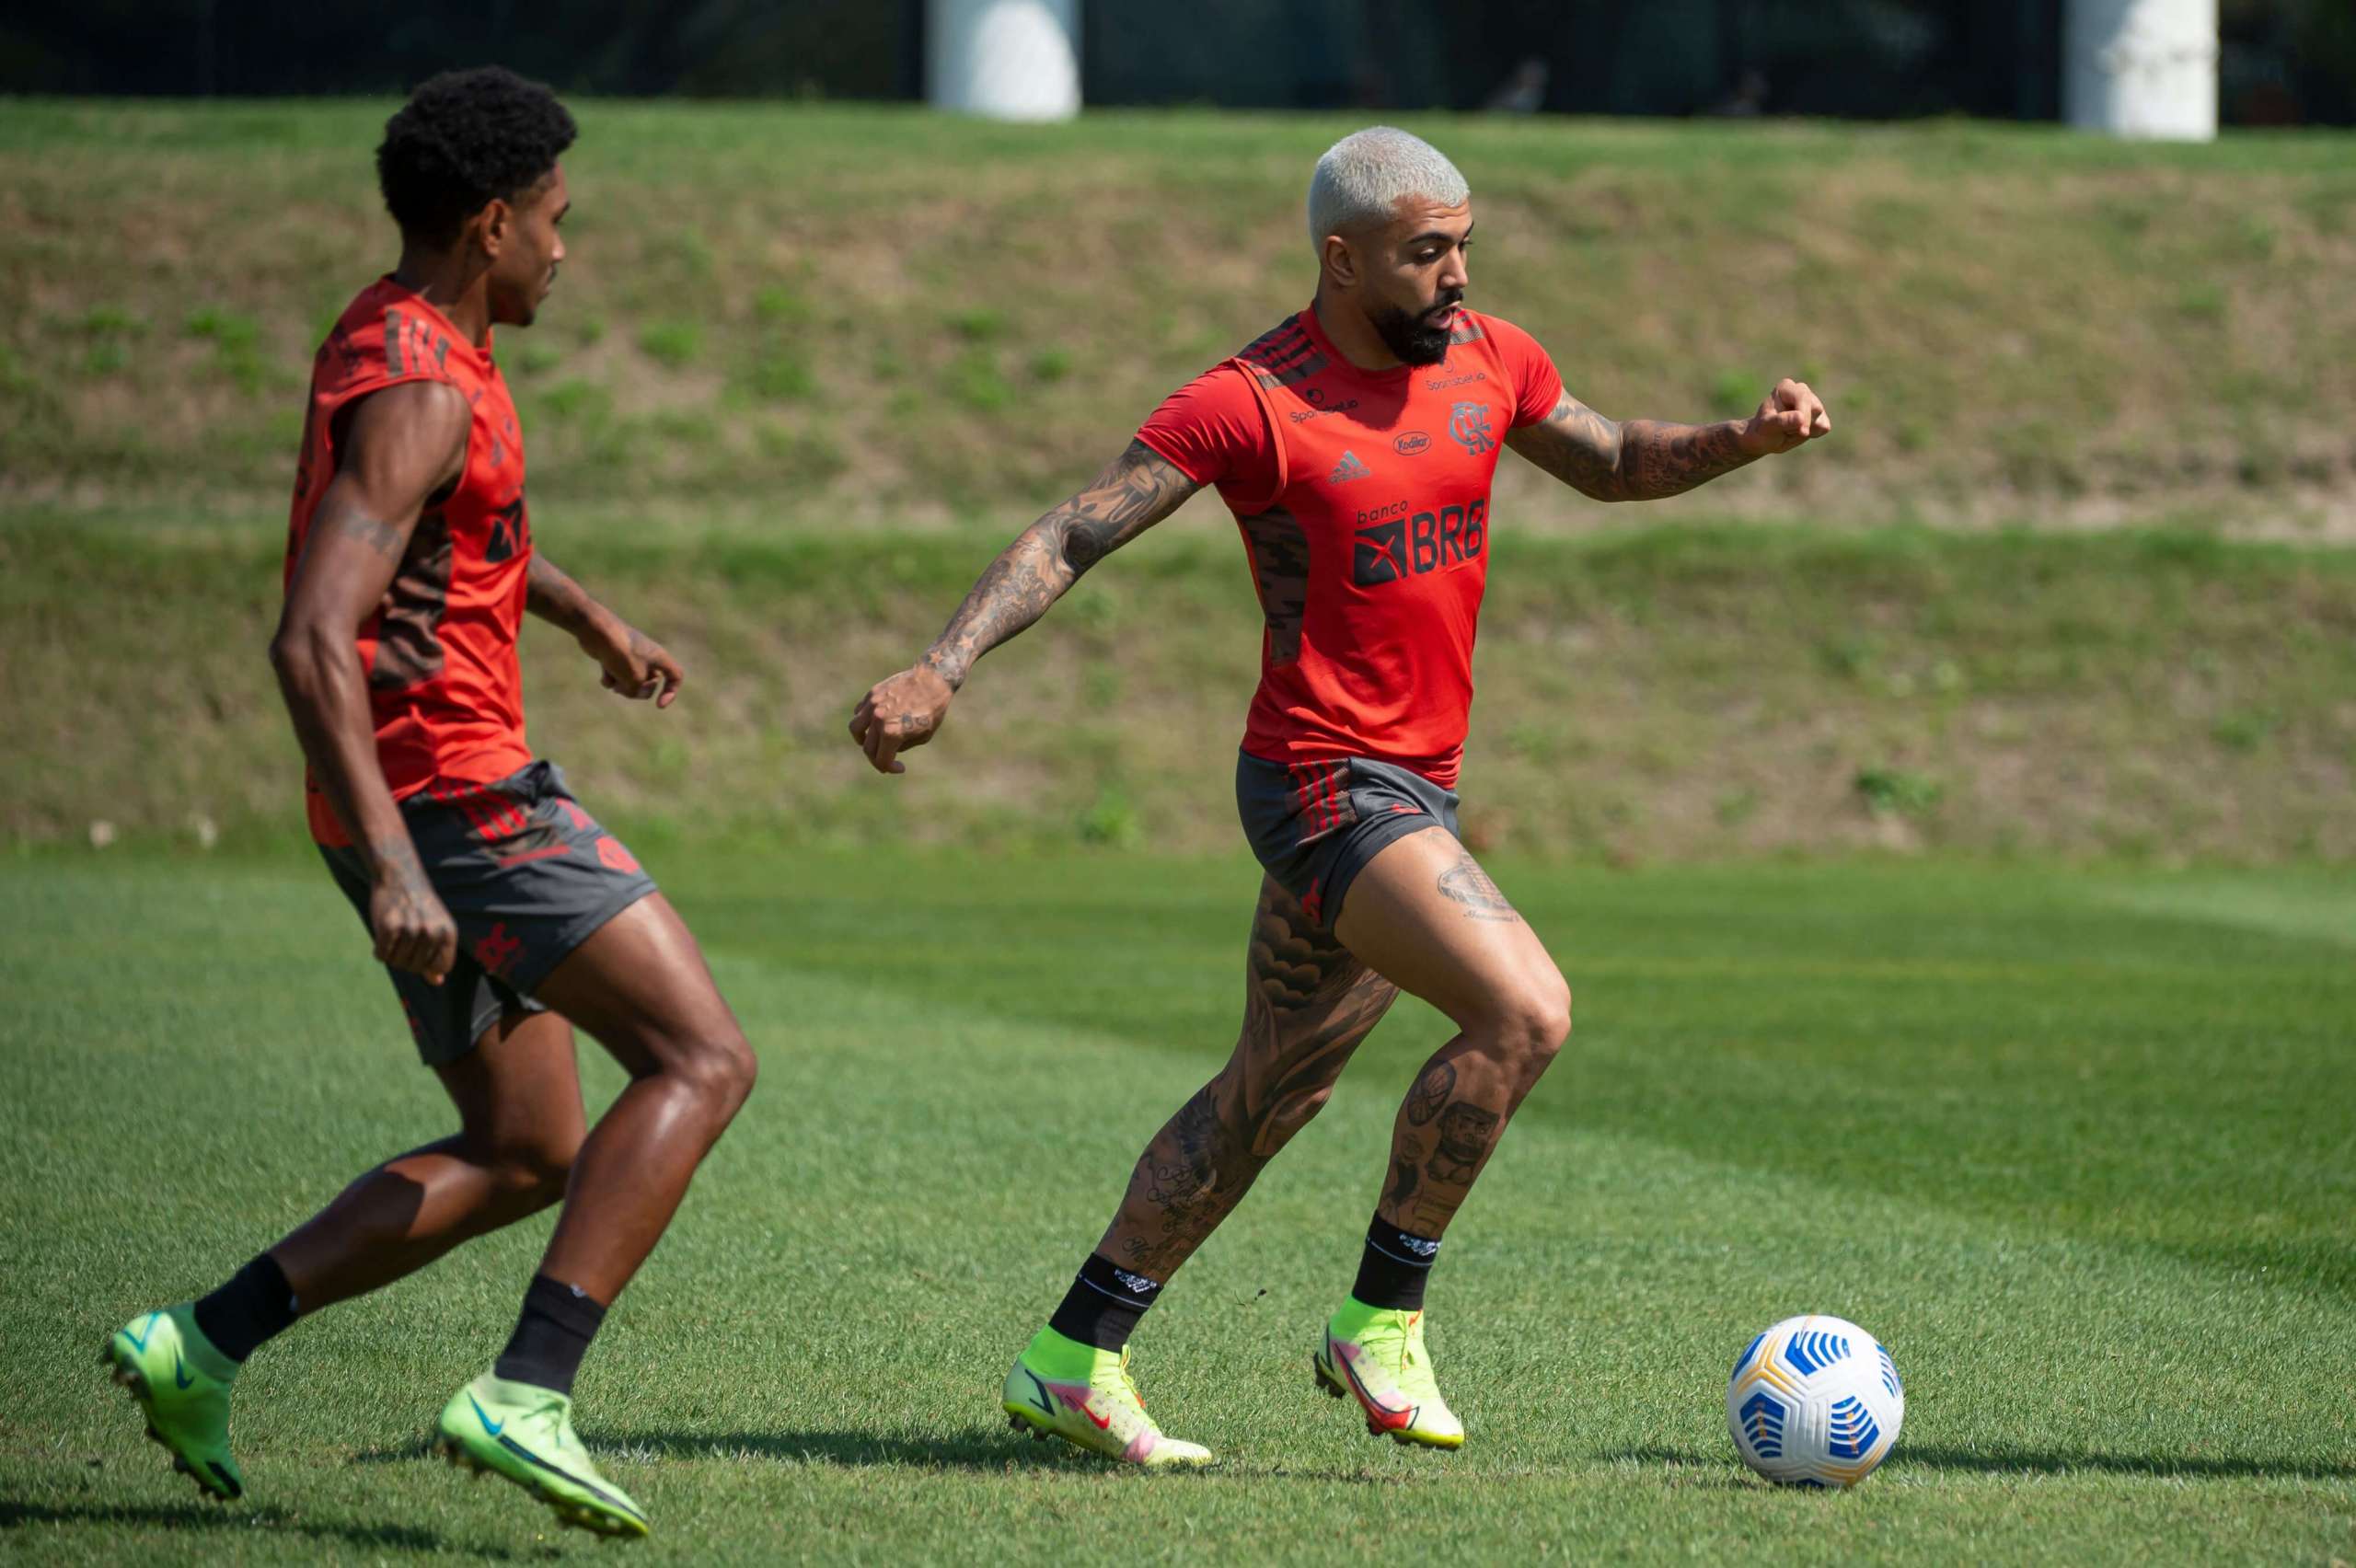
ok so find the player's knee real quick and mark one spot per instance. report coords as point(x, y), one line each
point(1292, 1113)
point(720, 1069)
point(532, 1171)
point(1536, 1020)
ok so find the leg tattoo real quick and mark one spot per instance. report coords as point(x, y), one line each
point(1307, 1005)
point(1446, 1127)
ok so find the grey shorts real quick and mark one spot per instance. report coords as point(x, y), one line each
point(1315, 825)
point(526, 875)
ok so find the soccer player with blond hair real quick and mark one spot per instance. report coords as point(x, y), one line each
point(1355, 444)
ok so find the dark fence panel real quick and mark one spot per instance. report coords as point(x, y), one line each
point(2285, 61)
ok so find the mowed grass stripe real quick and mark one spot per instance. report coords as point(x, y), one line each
point(2005, 1042)
point(809, 1367)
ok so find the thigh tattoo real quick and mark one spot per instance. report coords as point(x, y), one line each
point(1470, 886)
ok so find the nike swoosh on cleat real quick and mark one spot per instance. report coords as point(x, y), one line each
point(1104, 1423)
point(1046, 1400)
point(604, 1496)
point(489, 1425)
point(1374, 1406)
point(179, 1372)
point(139, 1340)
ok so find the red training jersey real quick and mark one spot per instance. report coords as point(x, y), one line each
point(445, 688)
point(1363, 499)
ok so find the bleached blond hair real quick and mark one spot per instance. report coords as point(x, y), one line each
point(1363, 176)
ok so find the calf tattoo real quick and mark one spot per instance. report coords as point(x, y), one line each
point(1430, 1093)
point(1465, 1133)
point(1404, 1181)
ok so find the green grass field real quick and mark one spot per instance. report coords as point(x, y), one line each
point(2081, 1148)
point(2079, 1144)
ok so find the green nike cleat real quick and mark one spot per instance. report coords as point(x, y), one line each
point(1060, 1388)
point(525, 1433)
point(182, 1384)
point(1375, 1355)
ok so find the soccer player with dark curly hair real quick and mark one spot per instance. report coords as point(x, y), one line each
point(504, 913)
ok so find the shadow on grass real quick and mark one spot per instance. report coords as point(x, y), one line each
point(205, 1518)
point(969, 1450)
point(2026, 1461)
point(975, 1451)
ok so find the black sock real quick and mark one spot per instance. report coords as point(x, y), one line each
point(255, 1306)
point(1393, 1269)
point(1103, 1304)
point(551, 1336)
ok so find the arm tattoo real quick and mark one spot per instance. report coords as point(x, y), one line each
point(555, 598)
point(1140, 489)
point(1577, 446)
point(1122, 504)
point(376, 534)
point(1639, 460)
point(1669, 459)
point(396, 861)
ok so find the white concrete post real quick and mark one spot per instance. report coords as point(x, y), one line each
point(1003, 59)
point(2141, 68)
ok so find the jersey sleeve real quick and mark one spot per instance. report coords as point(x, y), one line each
point(1214, 430)
point(1537, 386)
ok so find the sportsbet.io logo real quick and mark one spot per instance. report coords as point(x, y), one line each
point(1392, 544)
point(1468, 426)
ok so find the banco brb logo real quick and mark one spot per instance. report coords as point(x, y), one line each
point(1409, 546)
point(1468, 426)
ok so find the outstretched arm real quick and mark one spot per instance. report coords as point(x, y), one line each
point(1137, 490)
point(1647, 459)
point(634, 663)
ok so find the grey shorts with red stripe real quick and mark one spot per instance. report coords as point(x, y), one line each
point(1314, 825)
point(528, 876)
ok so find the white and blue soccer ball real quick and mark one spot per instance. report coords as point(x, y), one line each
point(1815, 1401)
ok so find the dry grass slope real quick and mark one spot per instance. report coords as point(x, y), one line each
point(1677, 694)
point(874, 315)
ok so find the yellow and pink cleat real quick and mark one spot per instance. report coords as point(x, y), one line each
point(1060, 1388)
point(1376, 1357)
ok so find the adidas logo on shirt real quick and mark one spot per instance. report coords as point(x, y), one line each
point(1349, 468)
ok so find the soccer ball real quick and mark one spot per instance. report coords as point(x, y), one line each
point(1815, 1401)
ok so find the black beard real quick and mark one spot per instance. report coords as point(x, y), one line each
point(1412, 338)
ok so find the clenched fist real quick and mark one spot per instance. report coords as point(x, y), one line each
point(1791, 416)
point(900, 714)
